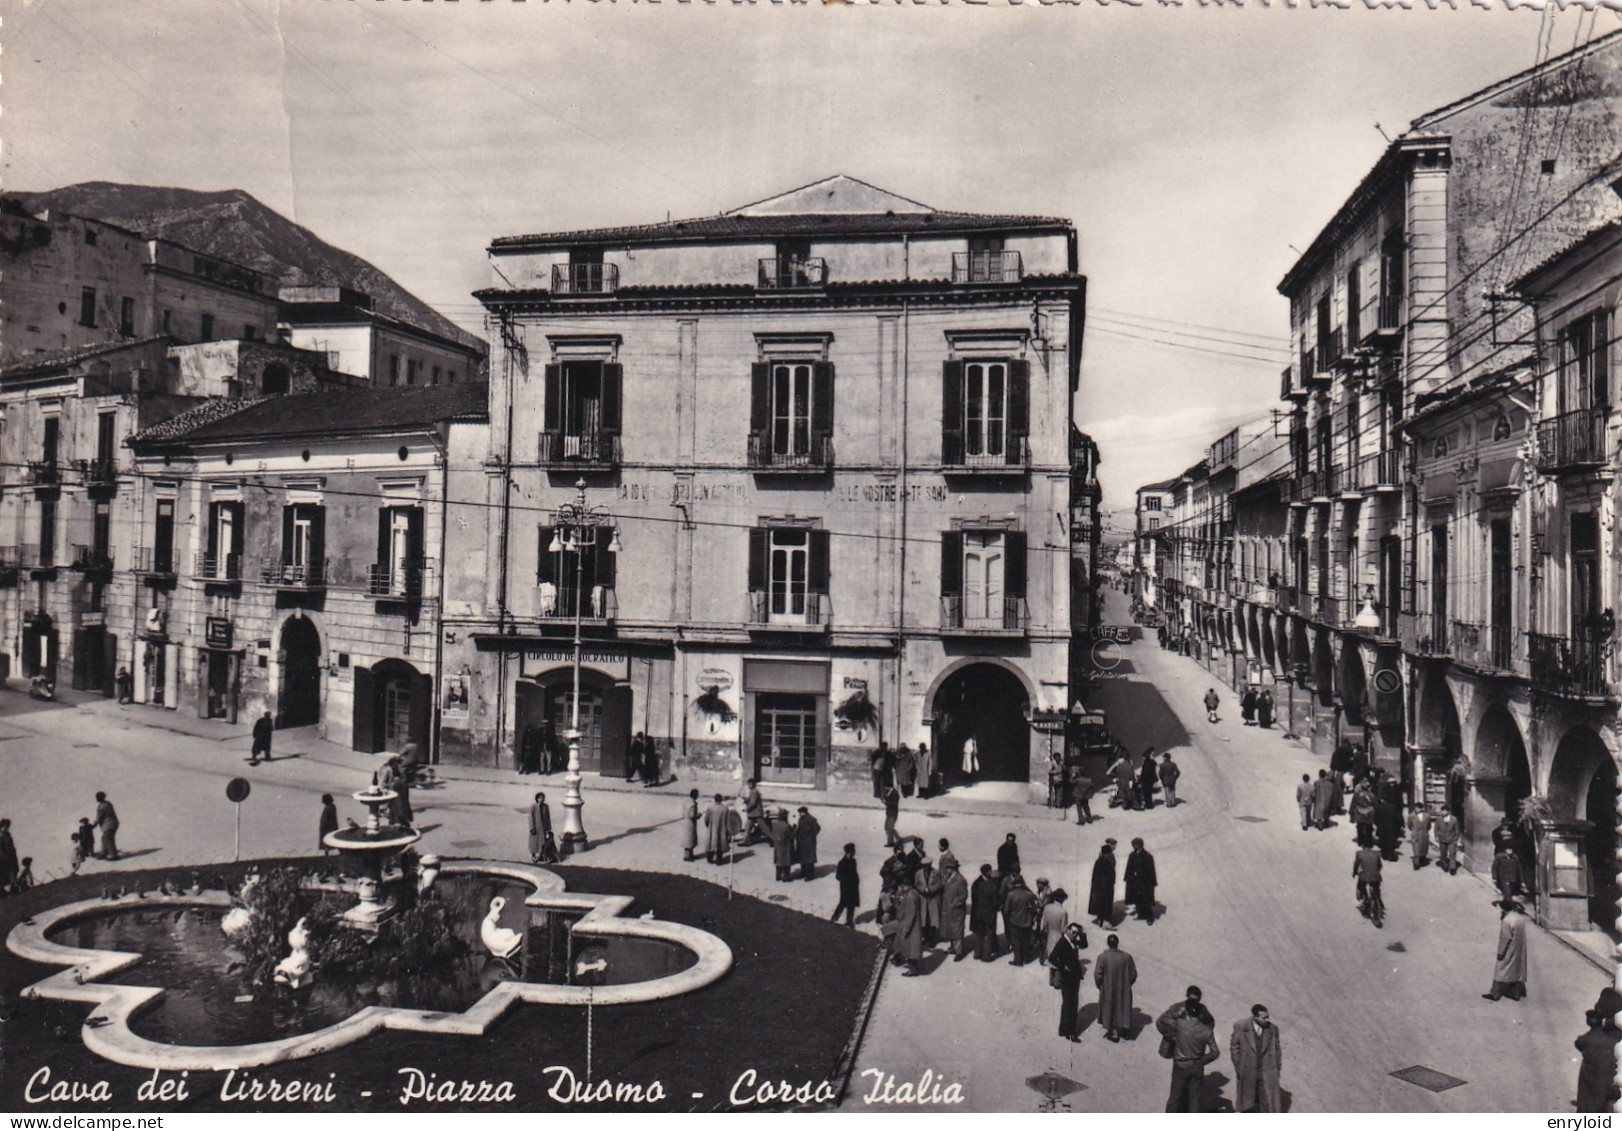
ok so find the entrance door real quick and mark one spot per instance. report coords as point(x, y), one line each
point(219, 685)
point(559, 700)
point(786, 738)
point(1600, 811)
point(396, 712)
point(301, 674)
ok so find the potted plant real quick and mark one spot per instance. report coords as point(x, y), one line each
point(713, 707)
point(858, 713)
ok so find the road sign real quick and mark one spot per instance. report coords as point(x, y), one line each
point(237, 790)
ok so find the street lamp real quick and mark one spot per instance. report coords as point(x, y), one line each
point(576, 531)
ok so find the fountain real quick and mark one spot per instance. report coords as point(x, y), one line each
point(371, 847)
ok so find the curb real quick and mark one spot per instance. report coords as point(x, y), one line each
point(847, 1058)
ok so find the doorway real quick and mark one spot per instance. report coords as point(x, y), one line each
point(301, 674)
point(987, 702)
point(786, 738)
point(219, 686)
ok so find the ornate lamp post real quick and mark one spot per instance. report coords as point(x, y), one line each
point(576, 530)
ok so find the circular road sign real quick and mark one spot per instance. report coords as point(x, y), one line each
point(237, 790)
point(1387, 681)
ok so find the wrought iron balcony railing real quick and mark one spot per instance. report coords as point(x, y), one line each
point(405, 579)
point(788, 608)
point(574, 449)
point(43, 473)
point(984, 453)
point(92, 559)
point(1572, 666)
point(149, 561)
point(1379, 472)
point(1008, 614)
point(792, 272)
point(218, 567)
point(986, 267)
point(596, 603)
point(1573, 440)
point(585, 278)
point(1424, 634)
point(97, 472)
point(1486, 646)
point(1390, 313)
point(815, 453)
point(292, 575)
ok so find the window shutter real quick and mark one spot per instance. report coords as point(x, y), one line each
point(546, 563)
point(318, 541)
point(385, 522)
point(367, 737)
point(817, 580)
point(1013, 583)
point(952, 563)
point(760, 397)
point(287, 534)
point(422, 701)
point(213, 529)
point(952, 412)
point(414, 546)
point(822, 398)
point(552, 420)
point(757, 560)
point(613, 377)
point(1019, 409)
point(1368, 293)
point(603, 570)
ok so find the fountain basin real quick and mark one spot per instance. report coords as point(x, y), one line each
point(113, 1029)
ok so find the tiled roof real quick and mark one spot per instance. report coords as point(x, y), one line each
point(340, 411)
point(768, 227)
point(66, 359)
point(193, 418)
point(1529, 278)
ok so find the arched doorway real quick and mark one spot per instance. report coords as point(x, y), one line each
point(274, 381)
point(1501, 753)
point(1353, 684)
point(546, 715)
point(1323, 670)
point(1582, 786)
point(301, 673)
point(988, 702)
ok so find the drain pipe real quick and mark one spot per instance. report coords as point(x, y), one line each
point(901, 576)
point(507, 341)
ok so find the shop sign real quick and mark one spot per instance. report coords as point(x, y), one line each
point(854, 684)
point(217, 632)
point(568, 657)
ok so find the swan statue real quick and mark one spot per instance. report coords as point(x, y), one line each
point(503, 942)
point(428, 874)
point(294, 970)
point(236, 922)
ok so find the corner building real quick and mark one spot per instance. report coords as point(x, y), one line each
point(831, 431)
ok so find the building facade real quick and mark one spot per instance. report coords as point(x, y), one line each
point(363, 342)
point(831, 431)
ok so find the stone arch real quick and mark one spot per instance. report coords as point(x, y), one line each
point(989, 702)
point(1323, 668)
point(1351, 684)
point(1269, 649)
point(1580, 755)
point(959, 664)
point(299, 651)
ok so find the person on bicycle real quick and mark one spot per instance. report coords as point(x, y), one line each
point(1366, 867)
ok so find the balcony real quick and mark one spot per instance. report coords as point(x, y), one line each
point(788, 611)
point(1424, 634)
point(1286, 597)
point(218, 567)
point(986, 267)
point(1332, 348)
point(1007, 616)
point(98, 472)
point(1569, 666)
point(1489, 647)
point(1572, 441)
point(1329, 611)
point(148, 563)
point(597, 603)
point(792, 273)
point(817, 456)
point(1311, 370)
point(293, 576)
point(991, 454)
point(10, 573)
point(1379, 472)
point(400, 581)
point(43, 473)
point(580, 449)
point(585, 278)
point(1389, 321)
point(92, 559)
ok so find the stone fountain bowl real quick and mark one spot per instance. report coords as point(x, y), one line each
point(364, 840)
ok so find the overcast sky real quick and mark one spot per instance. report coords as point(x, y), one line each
point(1191, 147)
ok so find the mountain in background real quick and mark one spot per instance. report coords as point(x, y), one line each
point(232, 225)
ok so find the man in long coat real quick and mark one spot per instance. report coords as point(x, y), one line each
point(1447, 842)
point(909, 925)
point(984, 903)
point(925, 760)
point(1506, 872)
point(1101, 897)
point(540, 827)
point(1148, 776)
point(1323, 799)
point(1141, 880)
point(879, 762)
point(717, 830)
point(1114, 974)
point(1387, 824)
point(1066, 959)
point(1055, 920)
point(781, 833)
point(1020, 915)
point(906, 771)
point(1257, 1057)
point(1419, 836)
point(954, 908)
point(10, 866)
point(107, 822)
point(806, 831)
point(1303, 798)
point(1363, 811)
point(850, 886)
point(689, 824)
point(1596, 1080)
point(931, 888)
point(1008, 855)
point(1509, 973)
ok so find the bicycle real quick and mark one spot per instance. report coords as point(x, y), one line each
point(1369, 903)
